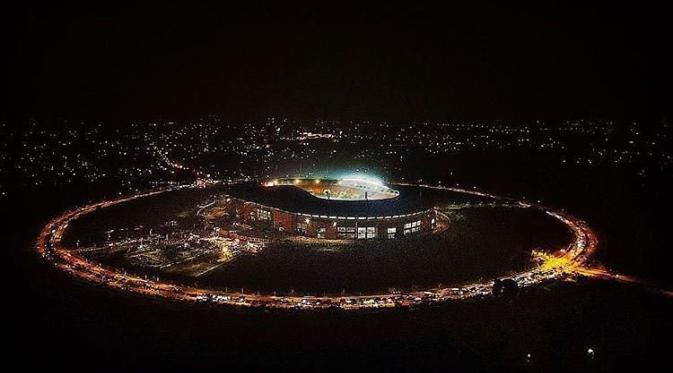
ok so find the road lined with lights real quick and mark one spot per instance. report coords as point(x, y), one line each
point(567, 263)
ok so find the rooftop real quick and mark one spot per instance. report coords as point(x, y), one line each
point(292, 198)
point(347, 189)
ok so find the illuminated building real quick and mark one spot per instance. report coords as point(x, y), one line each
point(333, 208)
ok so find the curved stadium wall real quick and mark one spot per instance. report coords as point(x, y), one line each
point(311, 216)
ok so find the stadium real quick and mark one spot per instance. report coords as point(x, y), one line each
point(309, 243)
point(346, 209)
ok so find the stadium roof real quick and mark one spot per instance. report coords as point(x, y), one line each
point(297, 200)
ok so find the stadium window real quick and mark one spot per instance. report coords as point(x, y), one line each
point(366, 232)
point(391, 232)
point(346, 233)
point(321, 233)
point(263, 214)
point(412, 227)
point(301, 228)
point(371, 232)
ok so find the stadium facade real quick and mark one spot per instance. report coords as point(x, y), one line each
point(349, 209)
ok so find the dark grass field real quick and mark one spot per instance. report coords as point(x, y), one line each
point(479, 244)
point(482, 243)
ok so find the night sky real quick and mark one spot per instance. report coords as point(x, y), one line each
point(378, 61)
